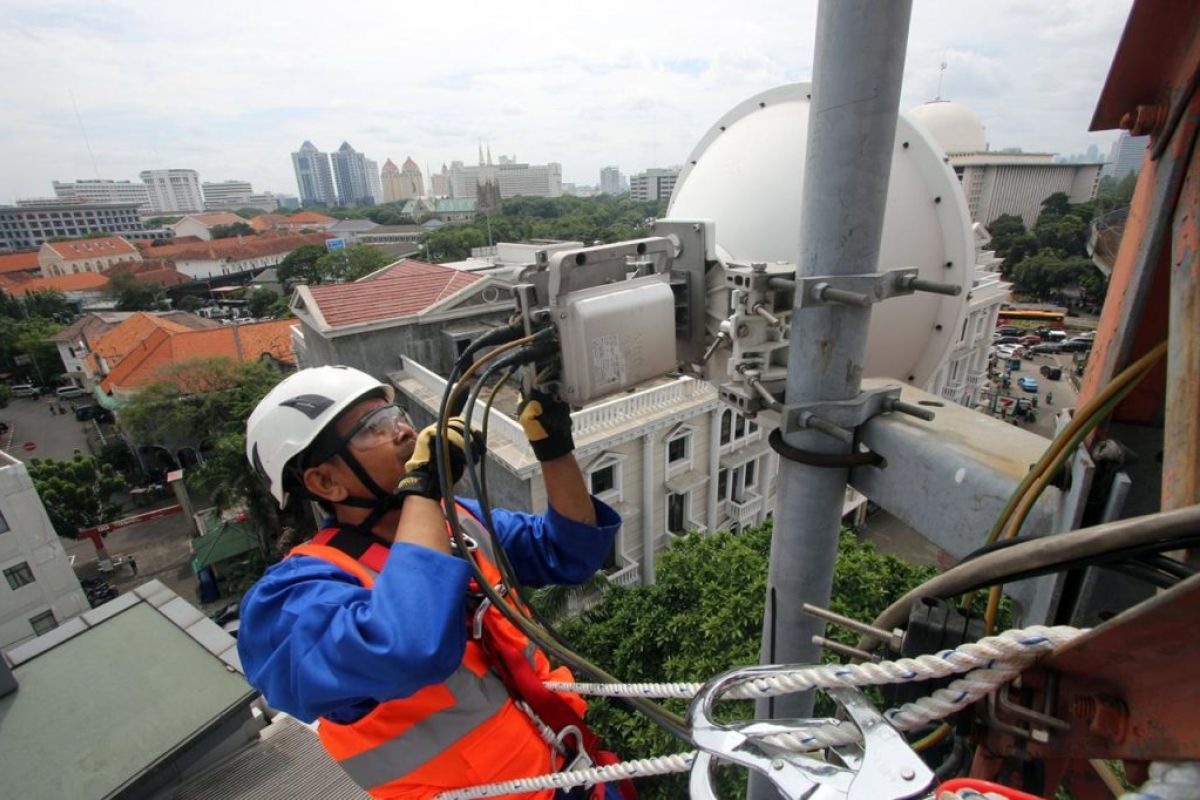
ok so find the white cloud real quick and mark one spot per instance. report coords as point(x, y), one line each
point(230, 89)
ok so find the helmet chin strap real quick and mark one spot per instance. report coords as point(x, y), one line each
point(382, 503)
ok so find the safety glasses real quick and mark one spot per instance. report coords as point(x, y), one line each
point(376, 427)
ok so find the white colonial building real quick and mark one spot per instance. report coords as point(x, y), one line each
point(173, 190)
point(39, 590)
point(1001, 182)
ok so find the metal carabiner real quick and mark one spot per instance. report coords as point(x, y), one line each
point(481, 609)
point(582, 759)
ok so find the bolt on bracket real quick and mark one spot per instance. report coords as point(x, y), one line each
point(839, 418)
point(867, 289)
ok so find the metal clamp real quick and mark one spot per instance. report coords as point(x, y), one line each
point(866, 289)
point(883, 767)
point(839, 418)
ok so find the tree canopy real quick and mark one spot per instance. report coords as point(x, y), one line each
point(299, 266)
point(76, 493)
point(216, 396)
point(133, 294)
point(231, 230)
point(702, 617)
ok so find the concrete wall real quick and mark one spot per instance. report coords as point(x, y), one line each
point(30, 539)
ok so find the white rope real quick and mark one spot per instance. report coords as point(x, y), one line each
point(970, 794)
point(1000, 658)
point(1170, 781)
point(1013, 646)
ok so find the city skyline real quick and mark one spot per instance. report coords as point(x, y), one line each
point(161, 92)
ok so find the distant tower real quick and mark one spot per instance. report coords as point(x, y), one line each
point(313, 176)
point(392, 184)
point(441, 182)
point(487, 185)
point(412, 183)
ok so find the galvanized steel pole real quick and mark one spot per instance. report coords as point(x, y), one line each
point(857, 71)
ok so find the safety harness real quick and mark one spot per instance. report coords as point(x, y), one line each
point(570, 734)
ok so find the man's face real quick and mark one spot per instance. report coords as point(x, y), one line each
point(380, 438)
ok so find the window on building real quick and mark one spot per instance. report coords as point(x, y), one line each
point(678, 449)
point(604, 479)
point(677, 513)
point(3, 523)
point(750, 470)
point(726, 426)
point(43, 623)
point(739, 427)
point(723, 485)
point(18, 575)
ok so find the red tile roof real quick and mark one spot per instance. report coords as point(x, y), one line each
point(310, 217)
point(154, 355)
point(237, 248)
point(222, 218)
point(118, 342)
point(19, 262)
point(78, 282)
point(404, 289)
point(264, 222)
point(153, 270)
point(91, 248)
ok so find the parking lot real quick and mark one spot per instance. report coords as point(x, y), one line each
point(34, 431)
point(1052, 396)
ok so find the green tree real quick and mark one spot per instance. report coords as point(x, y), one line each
point(161, 222)
point(260, 301)
point(280, 309)
point(249, 212)
point(49, 303)
point(133, 294)
point(350, 264)
point(76, 493)
point(24, 351)
point(702, 617)
point(213, 395)
point(231, 230)
point(5, 395)
point(191, 303)
point(299, 266)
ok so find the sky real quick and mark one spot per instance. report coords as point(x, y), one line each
point(230, 89)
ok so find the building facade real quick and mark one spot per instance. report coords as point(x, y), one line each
point(85, 255)
point(612, 181)
point(374, 186)
point(1126, 155)
point(173, 190)
point(350, 176)
point(1005, 181)
point(26, 228)
point(653, 184)
point(314, 177)
point(39, 590)
point(226, 194)
point(98, 191)
point(514, 178)
point(201, 225)
point(389, 176)
point(440, 183)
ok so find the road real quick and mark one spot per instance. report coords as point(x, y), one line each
point(55, 436)
point(1062, 391)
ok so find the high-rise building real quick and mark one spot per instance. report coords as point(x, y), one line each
point(653, 184)
point(440, 182)
point(350, 175)
point(611, 181)
point(173, 190)
point(374, 187)
point(412, 182)
point(313, 176)
point(998, 182)
point(98, 191)
point(1126, 156)
point(390, 177)
point(226, 194)
point(513, 177)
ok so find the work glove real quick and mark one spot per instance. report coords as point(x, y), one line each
point(421, 471)
point(547, 424)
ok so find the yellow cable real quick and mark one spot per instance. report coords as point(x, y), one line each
point(929, 741)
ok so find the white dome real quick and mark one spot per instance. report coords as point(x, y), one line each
point(747, 176)
point(952, 125)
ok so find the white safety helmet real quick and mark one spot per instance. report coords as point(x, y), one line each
point(294, 413)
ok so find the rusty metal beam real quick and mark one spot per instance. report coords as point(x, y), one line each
point(1129, 687)
point(1181, 446)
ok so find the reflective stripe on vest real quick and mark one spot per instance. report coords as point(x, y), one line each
point(476, 700)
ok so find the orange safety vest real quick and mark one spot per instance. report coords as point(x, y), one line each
point(462, 732)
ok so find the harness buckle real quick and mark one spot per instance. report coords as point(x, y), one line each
point(481, 609)
point(582, 759)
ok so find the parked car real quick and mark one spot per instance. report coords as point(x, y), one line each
point(70, 392)
point(1007, 340)
point(1047, 347)
point(98, 413)
point(1028, 384)
point(1008, 330)
point(23, 390)
point(1055, 336)
point(1031, 339)
point(1076, 345)
point(1053, 373)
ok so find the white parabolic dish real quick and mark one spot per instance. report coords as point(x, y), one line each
point(747, 175)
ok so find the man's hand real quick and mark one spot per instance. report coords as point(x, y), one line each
point(547, 424)
point(421, 472)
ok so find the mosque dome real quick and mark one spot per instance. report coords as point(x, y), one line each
point(954, 126)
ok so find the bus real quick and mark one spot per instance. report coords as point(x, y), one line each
point(1031, 318)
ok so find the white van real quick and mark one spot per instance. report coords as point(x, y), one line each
point(1055, 336)
point(69, 392)
point(22, 390)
